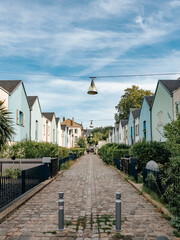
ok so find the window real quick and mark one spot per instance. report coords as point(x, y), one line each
point(75, 130)
point(160, 120)
point(20, 118)
point(76, 139)
point(36, 130)
point(137, 129)
point(144, 129)
point(48, 130)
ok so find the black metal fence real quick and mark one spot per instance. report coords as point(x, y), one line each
point(72, 156)
point(33, 176)
point(128, 166)
point(11, 188)
point(153, 181)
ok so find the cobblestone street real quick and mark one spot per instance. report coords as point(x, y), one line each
point(89, 188)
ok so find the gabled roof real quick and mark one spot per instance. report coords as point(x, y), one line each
point(149, 100)
point(57, 120)
point(135, 112)
point(48, 115)
point(31, 100)
point(170, 85)
point(9, 85)
point(123, 122)
point(70, 123)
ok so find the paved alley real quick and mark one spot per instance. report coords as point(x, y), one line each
point(89, 188)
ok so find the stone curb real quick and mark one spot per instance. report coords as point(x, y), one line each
point(138, 187)
point(4, 214)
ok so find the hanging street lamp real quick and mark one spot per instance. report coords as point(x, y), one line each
point(91, 124)
point(92, 89)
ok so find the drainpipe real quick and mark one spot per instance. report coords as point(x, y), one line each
point(30, 126)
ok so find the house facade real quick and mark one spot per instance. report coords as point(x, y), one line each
point(49, 125)
point(36, 120)
point(163, 107)
point(58, 132)
point(145, 124)
point(122, 131)
point(74, 131)
point(4, 97)
point(134, 114)
point(176, 102)
point(116, 133)
point(19, 108)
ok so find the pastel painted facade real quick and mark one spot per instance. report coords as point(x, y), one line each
point(145, 125)
point(122, 133)
point(74, 131)
point(125, 133)
point(58, 132)
point(116, 133)
point(19, 107)
point(136, 123)
point(163, 107)
point(176, 102)
point(36, 122)
point(46, 129)
point(50, 126)
point(4, 97)
point(134, 113)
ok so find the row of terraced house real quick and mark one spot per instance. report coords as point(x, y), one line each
point(29, 122)
point(148, 121)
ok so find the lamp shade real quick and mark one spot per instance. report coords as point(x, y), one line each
point(92, 89)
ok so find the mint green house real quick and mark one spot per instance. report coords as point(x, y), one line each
point(19, 107)
point(35, 119)
point(163, 107)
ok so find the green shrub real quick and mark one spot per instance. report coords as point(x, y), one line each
point(146, 151)
point(63, 152)
point(31, 149)
point(171, 184)
point(78, 151)
point(12, 173)
point(112, 150)
point(81, 142)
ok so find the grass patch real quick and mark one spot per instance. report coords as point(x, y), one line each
point(152, 194)
point(176, 233)
point(52, 232)
point(118, 235)
point(69, 223)
point(66, 165)
point(81, 222)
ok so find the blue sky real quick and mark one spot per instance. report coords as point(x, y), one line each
point(59, 44)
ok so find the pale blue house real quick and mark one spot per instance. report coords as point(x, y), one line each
point(35, 119)
point(163, 107)
point(145, 125)
point(132, 135)
point(19, 107)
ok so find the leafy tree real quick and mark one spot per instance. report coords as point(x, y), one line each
point(172, 133)
point(132, 98)
point(6, 128)
point(81, 142)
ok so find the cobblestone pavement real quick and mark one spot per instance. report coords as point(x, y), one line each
point(89, 188)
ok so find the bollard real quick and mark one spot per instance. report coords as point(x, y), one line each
point(118, 211)
point(61, 212)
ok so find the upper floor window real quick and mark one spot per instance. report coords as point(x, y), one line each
point(20, 118)
point(137, 129)
point(75, 130)
point(160, 118)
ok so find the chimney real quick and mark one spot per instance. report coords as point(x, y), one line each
point(63, 119)
point(72, 121)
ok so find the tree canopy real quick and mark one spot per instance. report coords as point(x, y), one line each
point(132, 98)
